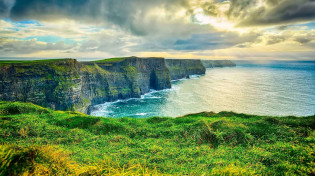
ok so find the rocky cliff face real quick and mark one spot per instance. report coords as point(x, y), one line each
point(66, 84)
point(54, 84)
point(105, 81)
point(70, 85)
point(217, 63)
point(183, 68)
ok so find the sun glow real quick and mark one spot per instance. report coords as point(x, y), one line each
point(220, 23)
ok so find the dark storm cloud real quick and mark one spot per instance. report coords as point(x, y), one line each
point(127, 14)
point(274, 12)
point(5, 7)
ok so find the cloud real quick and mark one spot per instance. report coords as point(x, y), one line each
point(140, 17)
point(144, 17)
point(280, 51)
point(109, 41)
point(271, 12)
point(215, 40)
point(305, 38)
point(5, 7)
point(301, 37)
point(9, 46)
point(139, 27)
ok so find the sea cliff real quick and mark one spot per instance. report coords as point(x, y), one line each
point(218, 63)
point(183, 68)
point(54, 83)
point(66, 84)
point(110, 80)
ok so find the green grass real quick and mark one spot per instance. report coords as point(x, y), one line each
point(118, 59)
point(28, 61)
point(39, 141)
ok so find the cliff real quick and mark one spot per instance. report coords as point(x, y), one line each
point(183, 68)
point(217, 63)
point(70, 85)
point(52, 83)
point(66, 84)
point(122, 78)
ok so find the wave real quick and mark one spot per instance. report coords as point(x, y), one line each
point(194, 76)
point(149, 95)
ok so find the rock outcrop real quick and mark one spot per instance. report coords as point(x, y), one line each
point(217, 63)
point(183, 68)
point(66, 84)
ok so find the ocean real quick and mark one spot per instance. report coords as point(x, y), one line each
point(275, 88)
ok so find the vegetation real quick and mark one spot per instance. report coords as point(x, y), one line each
point(118, 59)
point(39, 141)
point(29, 61)
point(43, 68)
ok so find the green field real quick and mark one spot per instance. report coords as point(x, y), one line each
point(39, 141)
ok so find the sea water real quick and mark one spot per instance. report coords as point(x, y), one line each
point(274, 88)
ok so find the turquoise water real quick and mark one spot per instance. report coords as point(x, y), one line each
point(276, 88)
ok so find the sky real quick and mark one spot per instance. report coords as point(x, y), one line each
point(201, 29)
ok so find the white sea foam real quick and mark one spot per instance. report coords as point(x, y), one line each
point(141, 114)
point(144, 96)
point(194, 76)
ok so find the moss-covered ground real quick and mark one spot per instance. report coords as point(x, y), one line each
point(39, 141)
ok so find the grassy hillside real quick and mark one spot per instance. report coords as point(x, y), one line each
point(39, 141)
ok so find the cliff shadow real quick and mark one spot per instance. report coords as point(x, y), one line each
point(153, 80)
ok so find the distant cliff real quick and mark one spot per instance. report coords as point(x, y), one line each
point(66, 84)
point(217, 63)
point(183, 68)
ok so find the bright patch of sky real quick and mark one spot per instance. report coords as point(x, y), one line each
point(50, 39)
point(22, 24)
point(308, 25)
